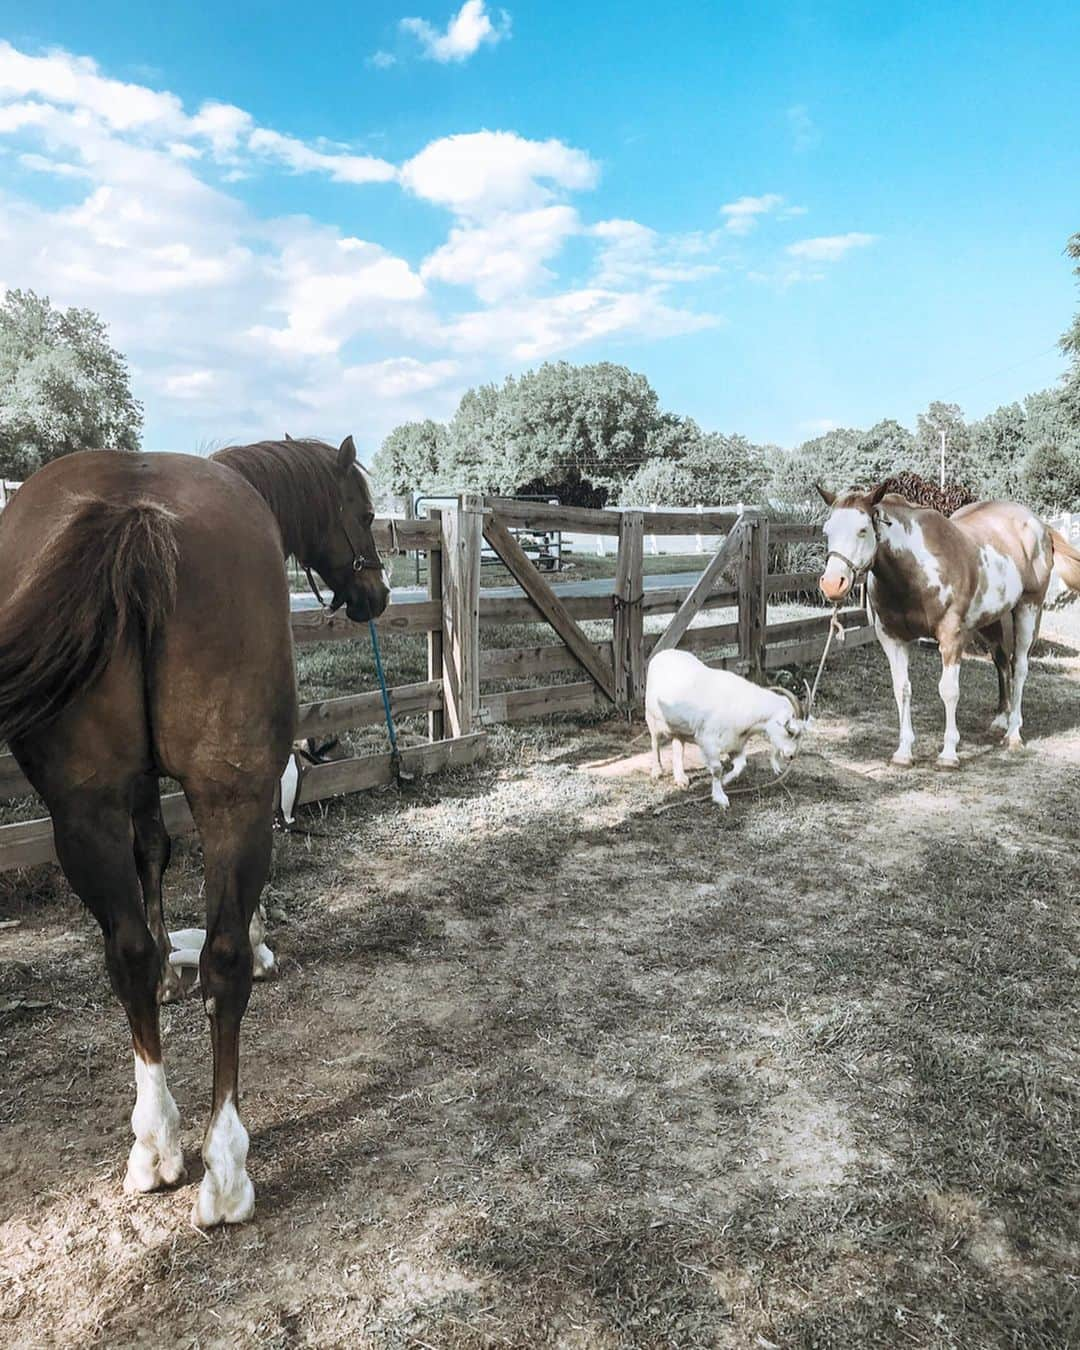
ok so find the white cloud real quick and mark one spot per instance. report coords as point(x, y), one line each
point(239, 324)
point(631, 253)
point(537, 327)
point(829, 248)
point(301, 158)
point(506, 254)
point(484, 172)
point(804, 133)
point(381, 60)
point(742, 215)
point(466, 32)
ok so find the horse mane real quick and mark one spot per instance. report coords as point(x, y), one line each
point(298, 481)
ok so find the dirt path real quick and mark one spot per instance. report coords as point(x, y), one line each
point(544, 1068)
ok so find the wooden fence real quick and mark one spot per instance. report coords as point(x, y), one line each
point(455, 611)
point(613, 669)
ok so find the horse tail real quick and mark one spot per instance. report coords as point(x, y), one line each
point(107, 576)
point(1066, 560)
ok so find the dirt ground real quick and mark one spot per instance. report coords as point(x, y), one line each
point(546, 1068)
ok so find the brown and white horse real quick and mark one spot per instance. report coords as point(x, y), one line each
point(144, 632)
point(983, 570)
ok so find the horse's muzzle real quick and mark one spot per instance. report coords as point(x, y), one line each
point(834, 588)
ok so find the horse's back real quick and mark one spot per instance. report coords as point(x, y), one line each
point(211, 693)
point(1012, 530)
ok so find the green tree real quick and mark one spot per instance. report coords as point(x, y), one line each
point(887, 448)
point(826, 459)
point(948, 418)
point(1050, 478)
point(997, 447)
point(1070, 345)
point(413, 458)
point(660, 482)
point(62, 386)
point(474, 441)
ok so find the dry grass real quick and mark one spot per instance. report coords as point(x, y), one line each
point(544, 1068)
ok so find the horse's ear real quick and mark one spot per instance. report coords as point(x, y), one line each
point(346, 455)
point(288, 437)
point(826, 496)
point(876, 496)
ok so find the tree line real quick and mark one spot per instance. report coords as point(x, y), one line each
point(594, 434)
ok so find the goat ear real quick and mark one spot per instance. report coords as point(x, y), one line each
point(876, 495)
point(346, 455)
point(826, 496)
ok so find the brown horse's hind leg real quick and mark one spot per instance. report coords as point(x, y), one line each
point(237, 844)
point(153, 849)
point(93, 844)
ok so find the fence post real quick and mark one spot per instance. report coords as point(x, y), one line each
point(436, 718)
point(627, 645)
point(754, 566)
point(462, 530)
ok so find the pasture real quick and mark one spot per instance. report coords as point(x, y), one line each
point(546, 1068)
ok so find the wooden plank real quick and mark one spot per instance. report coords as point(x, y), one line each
point(752, 597)
point(690, 522)
point(513, 663)
point(699, 639)
point(343, 776)
point(543, 516)
point(461, 529)
point(588, 520)
point(316, 625)
point(396, 532)
point(793, 630)
point(552, 608)
point(436, 717)
point(502, 610)
point(627, 663)
point(698, 594)
point(362, 710)
point(667, 599)
point(516, 705)
point(783, 583)
point(31, 842)
point(806, 653)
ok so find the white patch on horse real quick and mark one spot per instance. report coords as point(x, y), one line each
point(1002, 589)
point(850, 532)
point(907, 537)
point(226, 1194)
point(156, 1158)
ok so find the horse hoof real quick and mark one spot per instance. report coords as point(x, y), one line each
point(212, 1208)
point(948, 761)
point(148, 1170)
point(901, 761)
point(654, 773)
point(682, 782)
point(1014, 743)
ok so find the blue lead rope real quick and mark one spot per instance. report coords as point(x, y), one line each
point(394, 755)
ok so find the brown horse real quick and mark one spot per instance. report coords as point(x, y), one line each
point(145, 632)
point(982, 571)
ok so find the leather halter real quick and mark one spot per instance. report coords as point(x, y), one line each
point(858, 573)
point(359, 563)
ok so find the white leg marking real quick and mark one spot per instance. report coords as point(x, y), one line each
point(898, 653)
point(156, 1158)
point(949, 689)
point(1025, 620)
point(264, 963)
point(226, 1194)
point(677, 769)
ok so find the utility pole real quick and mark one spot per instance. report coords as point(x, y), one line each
point(943, 459)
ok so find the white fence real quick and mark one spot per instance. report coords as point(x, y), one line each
point(600, 545)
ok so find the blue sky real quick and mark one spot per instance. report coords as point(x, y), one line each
point(334, 218)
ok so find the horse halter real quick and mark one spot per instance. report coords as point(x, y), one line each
point(857, 573)
point(359, 563)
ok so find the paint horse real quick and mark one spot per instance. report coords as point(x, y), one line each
point(982, 571)
point(144, 632)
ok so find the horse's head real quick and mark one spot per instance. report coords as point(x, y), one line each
point(348, 560)
point(851, 534)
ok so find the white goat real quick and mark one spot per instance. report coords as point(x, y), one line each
point(720, 711)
